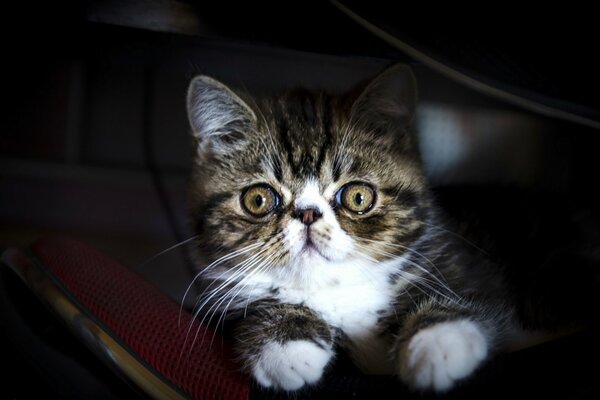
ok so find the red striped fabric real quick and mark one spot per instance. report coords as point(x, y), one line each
point(144, 320)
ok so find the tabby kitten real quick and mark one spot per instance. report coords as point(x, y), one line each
point(322, 233)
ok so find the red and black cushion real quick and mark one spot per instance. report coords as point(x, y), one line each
point(128, 322)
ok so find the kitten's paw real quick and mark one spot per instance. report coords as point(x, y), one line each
point(291, 365)
point(439, 355)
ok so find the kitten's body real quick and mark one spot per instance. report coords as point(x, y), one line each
point(390, 284)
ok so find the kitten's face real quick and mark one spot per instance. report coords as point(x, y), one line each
point(306, 180)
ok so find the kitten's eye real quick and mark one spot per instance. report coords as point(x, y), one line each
point(356, 197)
point(260, 200)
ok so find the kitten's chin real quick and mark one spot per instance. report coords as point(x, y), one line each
point(317, 253)
point(311, 252)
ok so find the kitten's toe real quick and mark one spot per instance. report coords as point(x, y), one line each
point(291, 365)
point(437, 356)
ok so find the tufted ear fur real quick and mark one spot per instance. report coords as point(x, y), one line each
point(219, 118)
point(388, 102)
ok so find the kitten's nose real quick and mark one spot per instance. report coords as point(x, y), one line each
point(308, 215)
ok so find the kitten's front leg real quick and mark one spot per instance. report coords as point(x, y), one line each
point(440, 345)
point(284, 346)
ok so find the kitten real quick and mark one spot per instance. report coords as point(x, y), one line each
point(322, 234)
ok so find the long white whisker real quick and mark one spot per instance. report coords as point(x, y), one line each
point(423, 280)
point(154, 257)
point(412, 283)
point(428, 284)
point(363, 268)
point(243, 266)
point(243, 283)
point(439, 280)
point(240, 269)
point(200, 326)
point(398, 245)
point(280, 255)
point(212, 265)
point(217, 304)
point(264, 265)
point(226, 271)
point(467, 241)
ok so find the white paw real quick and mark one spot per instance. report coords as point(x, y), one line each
point(437, 356)
point(291, 365)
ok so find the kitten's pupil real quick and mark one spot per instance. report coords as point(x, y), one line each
point(359, 198)
point(259, 201)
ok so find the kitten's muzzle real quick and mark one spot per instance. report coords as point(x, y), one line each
point(307, 215)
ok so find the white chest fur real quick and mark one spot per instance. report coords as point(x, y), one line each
point(351, 297)
point(348, 300)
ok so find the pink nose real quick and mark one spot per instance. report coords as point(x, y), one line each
point(308, 216)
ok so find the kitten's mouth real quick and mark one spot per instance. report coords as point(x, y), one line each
point(311, 249)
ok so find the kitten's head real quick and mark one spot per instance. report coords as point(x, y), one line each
point(305, 180)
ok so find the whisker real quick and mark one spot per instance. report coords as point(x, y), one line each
point(154, 257)
point(217, 304)
point(215, 264)
point(243, 266)
point(256, 267)
point(431, 286)
point(275, 262)
point(241, 270)
point(243, 283)
point(442, 280)
point(364, 269)
point(398, 245)
point(212, 265)
point(412, 282)
point(467, 241)
point(236, 274)
point(428, 283)
point(265, 264)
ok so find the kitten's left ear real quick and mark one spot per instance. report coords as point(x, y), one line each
point(217, 115)
point(389, 101)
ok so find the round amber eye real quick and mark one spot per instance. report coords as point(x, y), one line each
point(356, 197)
point(259, 200)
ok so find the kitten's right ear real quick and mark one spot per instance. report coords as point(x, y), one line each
point(218, 116)
point(388, 102)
